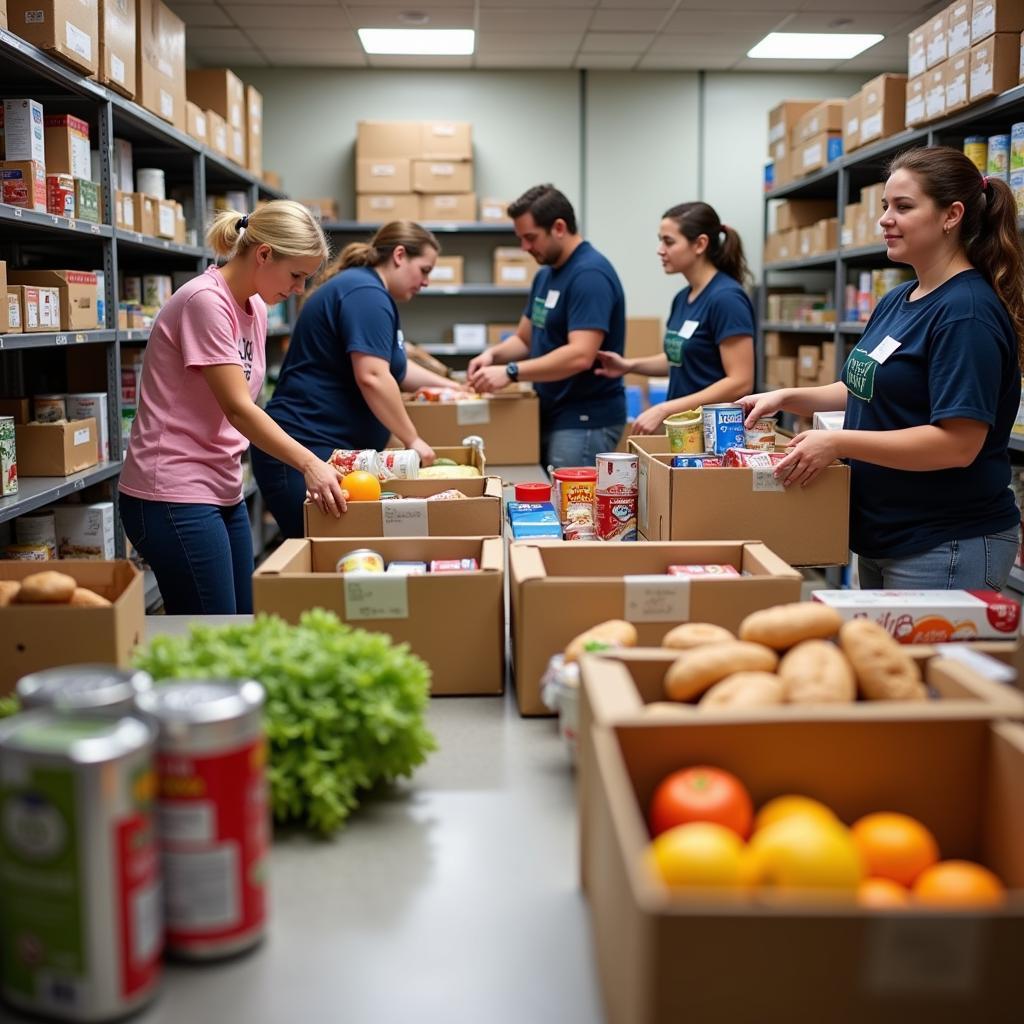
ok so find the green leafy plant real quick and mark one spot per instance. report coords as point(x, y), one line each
point(344, 707)
point(9, 706)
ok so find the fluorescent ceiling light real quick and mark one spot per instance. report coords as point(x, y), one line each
point(424, 41)
point(812, 45)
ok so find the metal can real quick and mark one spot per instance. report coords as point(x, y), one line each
point(81, 928)
point(8, 458)
point(617, 473)
point(399, 464)
point(361, 560)
point(37, 528)
point(103, 688)
point(696, 461)
point(686, 431)
point(615, 518)
point(573, 486)
point(998, 162)
point(761, 435)
point(453, 564)
point(49, 408)
point(753, 458)
point(723, 427)
point(976, 150)
point(407, 569)
point(213, 812)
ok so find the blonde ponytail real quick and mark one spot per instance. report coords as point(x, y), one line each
point(287, 227)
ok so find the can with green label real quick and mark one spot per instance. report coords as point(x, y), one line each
point(101, 688)
point(81, 932)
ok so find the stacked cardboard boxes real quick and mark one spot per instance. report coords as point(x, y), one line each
point(817, 138)
point(782, 119)
point(233, 114)
point(68, 31)
point(160, 61)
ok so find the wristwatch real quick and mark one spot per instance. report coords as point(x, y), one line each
point(512, 371)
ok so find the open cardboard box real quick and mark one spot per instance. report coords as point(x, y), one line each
point(696, 957)
point(804, 525)
point(463, 454)
point(34, 637)
point(454, 621)
point(478, 515)
point(56, 449)
point(560, 589)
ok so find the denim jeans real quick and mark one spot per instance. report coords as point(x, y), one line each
point(283, 490)
point(978, 563)
point(577, 446)
point(201, 555)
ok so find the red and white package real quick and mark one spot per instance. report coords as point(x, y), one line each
point(752, 458)
point(702, 570)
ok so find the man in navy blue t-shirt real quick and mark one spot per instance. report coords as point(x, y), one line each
point(576, 309)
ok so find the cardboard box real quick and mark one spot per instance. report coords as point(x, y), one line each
point(60, 195)
point(935, 93)
point(851, 123)
point(915, 114)
point(459, 208)
point(448, 270)
point(379, 209)
point(122, 169)
point(826, 116)
point(217, 133)
point(4, 311)
point(513, 268)
point(494, 211)
point(95, 404)
point(818, 152)
point(87, 635)
point(117, 46)
point(958, 77)
point(936, 48)
point(720, 504)
point(808, 359)
point(958, 33)
point(23, 183)
point(782, 119)
point(883, 107)
point(780, 372)
point(389, 175)
point(85, 531)
point(34, 312)
point(453, 621)
point(254, 130)
point(441, 177)
point(777, 343)
point(558, 590)
point(78, 294)
point(166, 218)
point(23, 135)
point(88, 201)
point(15, 317)
point(478, 515)
point(825, 236)
point(67, 145)
point(446, 140)
point(196, 123)
point(68, 29)
point(56, 449)
point(322, 209)
point(236, 145)
point(217, 89)
point(160, 62)
point(917, 52)
point(801, 213)
point(995, 65)
point(660, 957)
point(388, 139)
point(497, 333)
point(991, 16)
point(144, 213)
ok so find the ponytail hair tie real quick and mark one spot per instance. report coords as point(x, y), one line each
point(984, 183)
point(243, 221)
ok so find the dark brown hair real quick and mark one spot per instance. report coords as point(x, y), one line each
point(546, 204)
point(413, 238)
point(988, 230)
point(725, 250)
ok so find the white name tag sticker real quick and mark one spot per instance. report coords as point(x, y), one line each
point(689, 326)
point(400, 338)
point(656, 599)
point(552, 299)
point(884, 349)
point(404, 517)
point(369, 596)
point(472, 411)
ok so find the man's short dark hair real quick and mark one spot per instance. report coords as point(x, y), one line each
point(546, 204)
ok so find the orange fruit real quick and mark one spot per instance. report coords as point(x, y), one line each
point(781, 807)
point(958, 883)
point(882, 892)
point(361, 486)
point(699, 853)
point(894, 846)
point(803, 852)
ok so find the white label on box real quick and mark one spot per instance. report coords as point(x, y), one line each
point(443, 274)
point(656, 599)
point(77, 40)
point(492, 212)
point(166, 104)
point(236, 115)
point(981, 80)
point(641, 499)
point(937, 49)
point(513, 274)
point(201, 124)
point(871, 127)
point(472, 411)
point(116, 68)
point(956, 92)
point(915, 109)
point(404, 517)
point(984, 664)
point(959, 37)
point(924, 956)
point(983, 22)
point(166, 220)
point(445, 202)
point(446, 129)
point(369, 596)
point(885, 348)
point(382, 170)
point(165, 67)
point(917, 63)
point(127, 213)
point(82, 436)
point(552, 299)
point(442, 170)
point(935, 101)
point(763, 479)
point(777, 131)
point(812, 155)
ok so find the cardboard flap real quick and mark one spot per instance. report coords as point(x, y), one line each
point(525, 562)
point(611, 691)
point(492, 554)
point(759, 558)
point(291, 556)
point(959, 681)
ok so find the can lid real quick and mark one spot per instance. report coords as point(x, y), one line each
point(201, 701)
point(82, 687)
point(83, 738)
point(533, 491)
point(575, 473)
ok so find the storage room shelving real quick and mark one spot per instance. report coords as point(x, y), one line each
point(29, 237)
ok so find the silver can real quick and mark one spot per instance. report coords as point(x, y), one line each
point(81, 927)
point(762, 435)
point(213, 812)
point(104, 688)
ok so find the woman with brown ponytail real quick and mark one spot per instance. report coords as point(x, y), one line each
point(181, 486)
point(342, 380)
point(709, 339)
point(932, 388)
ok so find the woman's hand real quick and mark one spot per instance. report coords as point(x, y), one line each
point(486, 358)
point(766, 403)
point(650, 420)
point(324, 488)
point(489, 379)
point(425, 452)
point(613, 365)
point(809, 453)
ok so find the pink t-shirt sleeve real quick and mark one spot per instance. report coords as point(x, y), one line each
point(207, 332)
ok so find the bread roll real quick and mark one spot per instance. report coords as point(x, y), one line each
point(695, 634)
point(884, 670)
point(8, 591)
point(785, 625)
point(613, 633)
point(744, 690)
point(817, 672)
point(696, 670)
point(85, 598)
point(46, 588)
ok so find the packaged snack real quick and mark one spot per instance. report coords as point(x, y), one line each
point(360, 560)
point(696, 461)
point(453, 564)
point(752, 458)
point(702, 570)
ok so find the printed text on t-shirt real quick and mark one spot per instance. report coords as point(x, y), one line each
point(245, 351)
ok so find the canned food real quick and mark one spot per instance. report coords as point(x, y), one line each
point(976, 150)
point(49, 408)
point(103, 688)
point(723, 427)
point(755, 459)
point(615, 518)
point(686, 431)
point(407, 569)
point(579, 523)
point(617, 473)
point(37, 528)
point(8, 458)
point(389, 496)
point(81, 928)
point(360, 560)
point(533, 492)
point(214, 813)
point(702, 570)
point(453, 564)
point(573, 486)
point(761, 435)
point(696, 461)
point(393, 464)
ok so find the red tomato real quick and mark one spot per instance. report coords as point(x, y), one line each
point(701, 793)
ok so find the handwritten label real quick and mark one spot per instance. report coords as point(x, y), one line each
point(763, 480)
point(656, 599)
point(371, 596)
point(405, 517)
point(923, 956)
point(83, 436)
point(60, 339)
point(472, 411)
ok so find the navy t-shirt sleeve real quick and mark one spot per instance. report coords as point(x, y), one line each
point(965, 371)
point(367, 322)
point(591, 300)
point(731, 316)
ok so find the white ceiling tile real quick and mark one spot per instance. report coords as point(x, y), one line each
point(526, 42)
point(626, 4)
point(313, 59)
point(304, 16)
point(391, 61)
point(715, 44)
point(771, 66)
point(627, 21)
point(512, 20)
point(339, 40)
point(365, 16)
point(230, 56)
point(201, 14)
point(616, 42)
point(525, 59)
point(575, 4)
point(725, 20)
point(611, 61)
point(852, 21)
point(200, 35)
point(686, 62)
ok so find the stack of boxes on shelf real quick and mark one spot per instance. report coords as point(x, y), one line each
point(803, 227)
point(860, 219)
point(803, 136)
point(793, 362)
point(147, 211)
point(79, 531)
point(794, 307)
point(969, 52)
point(876, 112)
point(226, 115)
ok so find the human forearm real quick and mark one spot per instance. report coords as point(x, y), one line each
point(564, 361)
point(417, 377)
point(918, 449)
point(511, 350)
point(807, 401)
point(650, 366)
point(255, 425)
point(384, 398)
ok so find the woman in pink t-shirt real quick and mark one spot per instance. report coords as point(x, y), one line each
point(181, 486)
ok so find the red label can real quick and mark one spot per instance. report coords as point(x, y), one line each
point(616, 516)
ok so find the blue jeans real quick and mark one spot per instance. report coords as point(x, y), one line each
point(201, 555)
point(575, 446)
point(978, 563)
point(283, 490)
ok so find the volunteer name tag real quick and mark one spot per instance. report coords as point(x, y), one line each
point(538, 312)
point(884, 349)
point(689, 326)
point(552, 299)
point(400, 337)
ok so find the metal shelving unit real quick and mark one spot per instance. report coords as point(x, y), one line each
point(36, 491)
point(797, 327)
point(473, 289)
point(53, 339)
point(447, 227)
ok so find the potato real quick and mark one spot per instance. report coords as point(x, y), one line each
point(884, 670)
point(785, 625)
point(85, 598)
point(744, 690)
point(613, 633)
point(8, 592)
point(696, 670)
point(816, 672)
point(46, 588)
point(695, 634)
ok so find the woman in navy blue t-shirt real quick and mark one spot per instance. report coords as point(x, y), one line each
point(345, 370)
point(932, 388)
point(708, 350)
